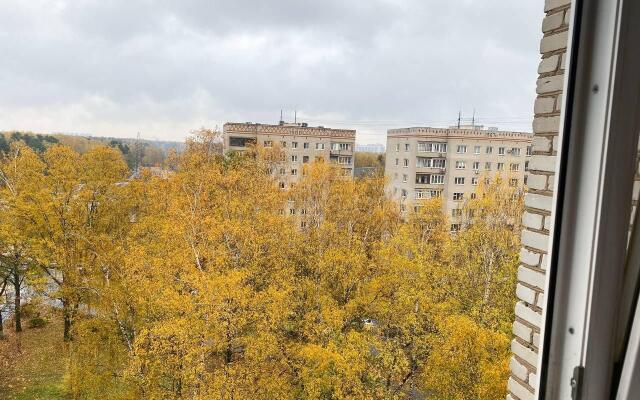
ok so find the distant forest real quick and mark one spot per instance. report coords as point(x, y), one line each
point(145, 153)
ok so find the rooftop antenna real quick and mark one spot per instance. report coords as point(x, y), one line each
point(295, 116)
point(473, 120)
point(459, 115)
point(281, 120)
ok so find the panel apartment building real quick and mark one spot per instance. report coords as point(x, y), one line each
point(424, 162)
point(301, 144)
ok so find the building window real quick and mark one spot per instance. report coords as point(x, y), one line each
point(319, 159)
point(529, 152)
point(459, 180)
point(404, 193)
point(473, 196)
point(437, 179)
point(455, 227)
point(283, 171)
point(305, 159)
point(281, 184)
point(423, 162)
point(345, 160)
point(294, 172)
point(476, 150)
point(458, 196)
point(489, 150)
point(476, 165)
point(461, 165)
point(500, 151)
point(406, 162)
point(513, 182)
point(427, 194)
point(515, 167)
point(487, 181)
point(268, 143)
point(241, 141)
point(515, 151)
point(319, 146)
point(526, 165)
point(341, 146)
point(397, 161)
point(461, 149)
point(305, 145)
point(294, 145)
point(284, 144)
point(292, 211)
point(500, 166)
point(294, 158)
point(397, 146)
point(487, 166)
point(404, 177)
point(474, 181)
point(303, 224)
point(406, 147)
point(456, 212)
point(432, 147)
point(525, 179)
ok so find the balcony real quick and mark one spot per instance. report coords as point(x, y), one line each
point(343, 152)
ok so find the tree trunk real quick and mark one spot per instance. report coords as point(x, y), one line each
point(17, 300)
point(67, 320)
point(1, 325)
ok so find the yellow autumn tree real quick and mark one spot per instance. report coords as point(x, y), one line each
point(211, 282)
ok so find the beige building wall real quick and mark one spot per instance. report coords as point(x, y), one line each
point(418, 166)
point(301, 144)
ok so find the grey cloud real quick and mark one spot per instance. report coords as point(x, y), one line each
point(162, 67)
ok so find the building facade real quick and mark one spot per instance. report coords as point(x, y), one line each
point(423, 162)
point(300, 143)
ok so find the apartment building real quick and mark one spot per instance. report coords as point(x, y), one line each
point(423, 162)
point(301, 144)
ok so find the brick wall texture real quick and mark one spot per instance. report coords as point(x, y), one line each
point(538, 201)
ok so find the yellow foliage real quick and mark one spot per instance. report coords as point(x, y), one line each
point(198, 285)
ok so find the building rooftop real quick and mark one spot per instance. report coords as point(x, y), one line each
point(296, 129)
point(454, 132)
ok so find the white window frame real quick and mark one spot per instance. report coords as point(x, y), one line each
point(436, 179)
point(597, 147)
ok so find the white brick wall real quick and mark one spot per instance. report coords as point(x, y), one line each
point(538, 202)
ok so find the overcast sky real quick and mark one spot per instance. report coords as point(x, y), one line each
point(166, 67)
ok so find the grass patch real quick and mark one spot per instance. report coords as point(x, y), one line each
point(49, 392)
point(33, 363)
